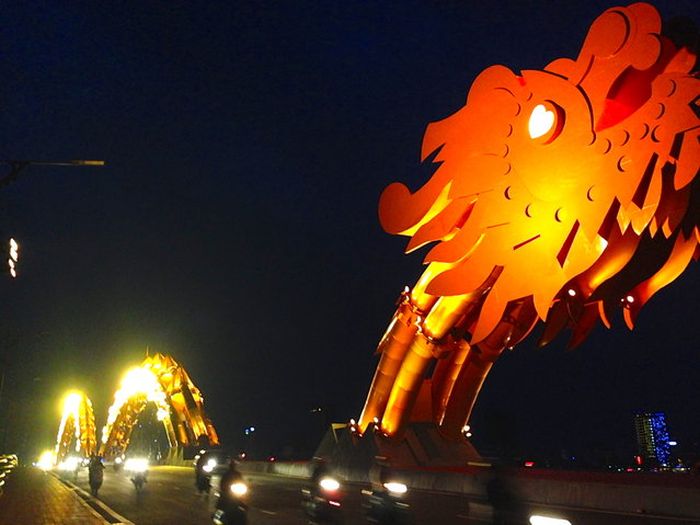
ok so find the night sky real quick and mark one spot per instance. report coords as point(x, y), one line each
point(235, 225)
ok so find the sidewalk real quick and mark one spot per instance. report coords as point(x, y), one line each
point(33, 497)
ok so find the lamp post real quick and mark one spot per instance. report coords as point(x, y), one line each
point(16, 168)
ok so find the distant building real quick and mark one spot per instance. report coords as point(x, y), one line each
point(652, 438)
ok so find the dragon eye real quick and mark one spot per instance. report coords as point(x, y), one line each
point(546, 122)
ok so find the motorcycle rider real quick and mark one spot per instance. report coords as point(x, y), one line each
point(322, 500)
point(202, 480)
point(384, 505)
point(232, 475)
point(320, 470)
point(95, 474)
point(231, 508)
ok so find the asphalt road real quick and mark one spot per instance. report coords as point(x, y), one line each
point(170, 497)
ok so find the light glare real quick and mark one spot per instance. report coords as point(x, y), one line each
point(239, 488)
point(69, 464)
point(71, 411)
point(329, 484)
point(396, 487)
point(137, 381)
point(46, 460)
point(136, 464)
point(546, 520)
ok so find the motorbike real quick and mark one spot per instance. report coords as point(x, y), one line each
point(118, 464)
point(231, 508)
point(137, 468)
point(323, 501)
point(95, 475)
point(385, 505)
point(203, 483)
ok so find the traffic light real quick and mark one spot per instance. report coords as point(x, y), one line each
point(13, 257)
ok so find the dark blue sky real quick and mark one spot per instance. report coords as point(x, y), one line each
point(235, 224)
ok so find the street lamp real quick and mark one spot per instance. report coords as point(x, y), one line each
point(18, 166)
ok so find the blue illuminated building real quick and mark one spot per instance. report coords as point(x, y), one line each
point(652, 438)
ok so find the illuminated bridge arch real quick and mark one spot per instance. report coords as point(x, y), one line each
point(76, 432)
point(179, 406)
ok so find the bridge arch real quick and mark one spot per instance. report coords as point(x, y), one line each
point(76, 432)
point(179, 406)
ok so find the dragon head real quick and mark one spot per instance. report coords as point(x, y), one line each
point(572, 186)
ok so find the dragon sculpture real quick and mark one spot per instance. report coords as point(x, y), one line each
point(558, 196)
point(159, 380)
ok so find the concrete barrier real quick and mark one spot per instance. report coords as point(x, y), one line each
point(664, 495)
point(292, 469)
point(673, 495)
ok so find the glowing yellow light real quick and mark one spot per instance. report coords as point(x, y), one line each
point(137, 381)
point(71, 411)
point(46, 460)
point(89, 162)
point(541, 121)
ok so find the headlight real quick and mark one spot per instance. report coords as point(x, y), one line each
point(547, 520)
point(70, 463)
point(46, 460)
point(396, 487)
point(136, 464)
point(329, 484)
point(239, 488)
point(210, 465)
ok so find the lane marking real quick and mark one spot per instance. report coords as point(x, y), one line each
point(268, 512)
point(88, 500)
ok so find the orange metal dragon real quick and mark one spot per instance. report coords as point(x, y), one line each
point(558, 195)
